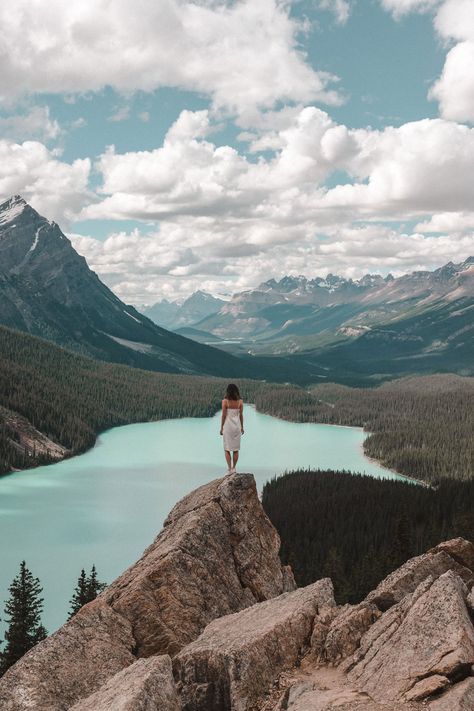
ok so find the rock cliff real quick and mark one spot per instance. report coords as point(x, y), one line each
point(209, 620)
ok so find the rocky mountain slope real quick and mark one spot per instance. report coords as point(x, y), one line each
point(209, 620)
point(47, 289)
point(176, 315)
point(297, 314)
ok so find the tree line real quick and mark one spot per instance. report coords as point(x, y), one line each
point(24, 607)
point(356, 529)
point(419, 426)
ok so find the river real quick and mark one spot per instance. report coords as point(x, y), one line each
point(107, 505)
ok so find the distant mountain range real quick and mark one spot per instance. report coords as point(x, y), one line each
point(420, 315)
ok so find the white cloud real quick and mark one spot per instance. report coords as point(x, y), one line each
point(226, 219)
point(454, 22)
point(448, 222)
point(56, 189)
point(403, 7)
point(144, 268)
point(242, 54)
point(122, 113)
point(34, 123)
point(421, 167)
point(454, 90)
point(340, 8)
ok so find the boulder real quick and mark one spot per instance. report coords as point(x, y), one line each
point(435, 562)
point(418, 646)
point(347, 629)
point(237, 658)
point(460, 697)
point(146, 685)
point(217, 554)
point(71, 663)
point(460, 549)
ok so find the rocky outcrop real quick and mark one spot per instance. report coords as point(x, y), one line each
point(217, 554)
point(209, 620)
point(237, 658)
point(419, 646)
point(71, 663)
point(146, 685)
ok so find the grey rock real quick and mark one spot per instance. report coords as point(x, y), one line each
point(71, 663)
point(406, 579)
point(427, 634)
point(459, 697)
point(237, 658)
point(218, 553)
point(347, 629)
point(146, 685)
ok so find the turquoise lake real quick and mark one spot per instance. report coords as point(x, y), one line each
point(107, 505)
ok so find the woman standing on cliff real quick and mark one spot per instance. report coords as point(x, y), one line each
point(232, 425)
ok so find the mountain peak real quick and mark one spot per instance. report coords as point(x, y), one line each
point(11, 208)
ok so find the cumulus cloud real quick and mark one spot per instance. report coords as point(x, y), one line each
point(227, 218)
point(36, 122)
point(243, 54)
point(454, 90)
point(418, 168)
point(55, 188)
point(144, 268)
point(454, 22)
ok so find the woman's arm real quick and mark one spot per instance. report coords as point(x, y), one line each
point(224, 414)
point(241, 413)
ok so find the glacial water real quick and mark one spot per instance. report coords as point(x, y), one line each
point(107, 505)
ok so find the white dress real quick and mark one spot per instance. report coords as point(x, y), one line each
point(232, 430)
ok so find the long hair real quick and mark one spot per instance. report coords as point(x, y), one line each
point(232, 392)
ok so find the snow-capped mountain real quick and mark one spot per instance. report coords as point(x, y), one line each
point(47, 289)
point(299, 308)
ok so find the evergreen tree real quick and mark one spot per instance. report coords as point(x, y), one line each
point(87, 589)
point(23, 615)
point(94, 586)
point(79, 597)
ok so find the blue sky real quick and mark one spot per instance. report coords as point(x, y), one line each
point(217, 144)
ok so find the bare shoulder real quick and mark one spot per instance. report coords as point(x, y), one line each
point(241, 404)
point(224, 402)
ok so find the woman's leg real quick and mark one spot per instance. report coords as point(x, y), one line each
point(228, 459)
point(236, 459)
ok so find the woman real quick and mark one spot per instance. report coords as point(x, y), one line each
point(232, 425)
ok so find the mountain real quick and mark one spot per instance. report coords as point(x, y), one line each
point(210, 620)
point(296, 314)
point(47, 289)
point(178, 315)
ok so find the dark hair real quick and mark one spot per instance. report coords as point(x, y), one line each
point(232, 392)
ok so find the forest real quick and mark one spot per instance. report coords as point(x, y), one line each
point(356, 529)
point(419, 426)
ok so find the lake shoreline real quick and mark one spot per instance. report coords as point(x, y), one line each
point(69, 455)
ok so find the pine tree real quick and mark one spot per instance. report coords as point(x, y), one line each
point(23, 615)
point(95, 587)
point(87, 589)
point(80, 596)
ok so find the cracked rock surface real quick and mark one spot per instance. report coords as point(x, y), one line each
point(237, 657)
